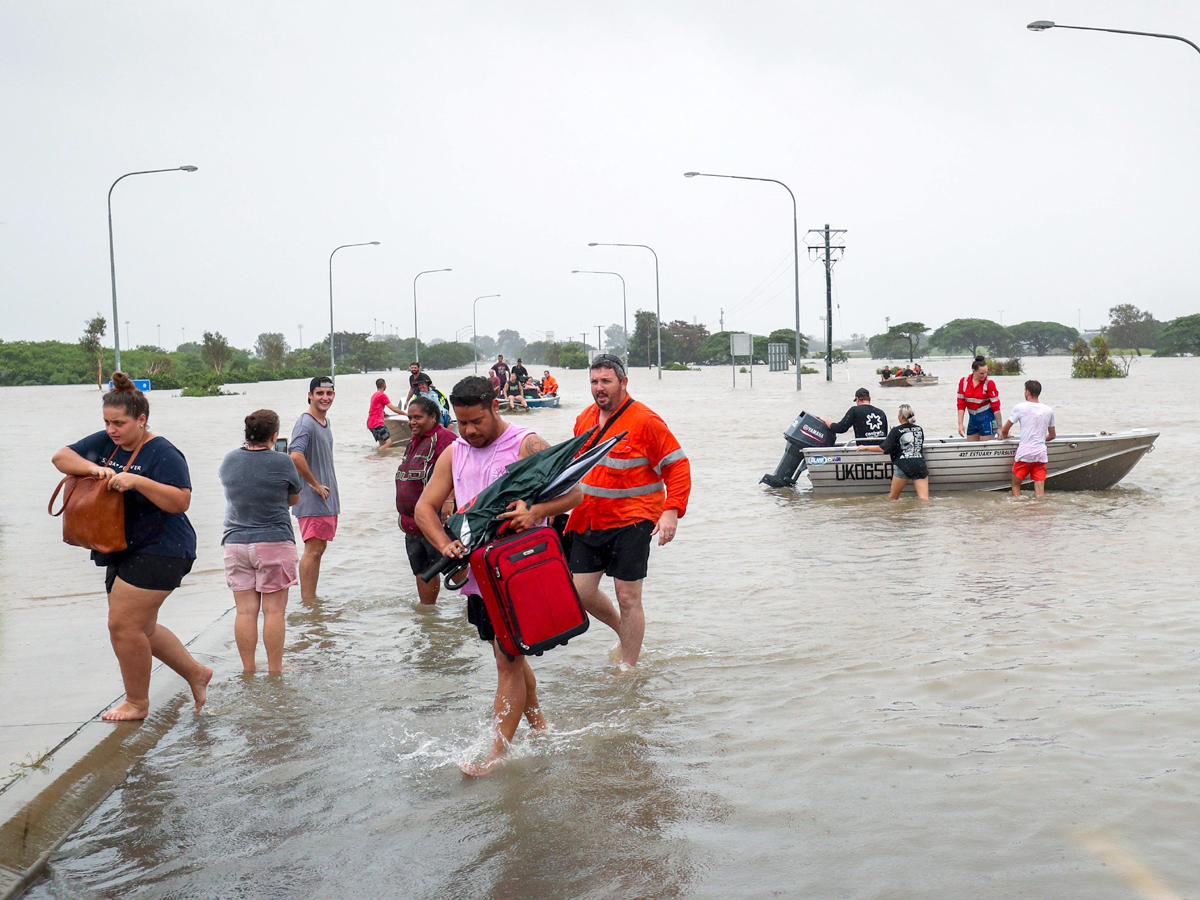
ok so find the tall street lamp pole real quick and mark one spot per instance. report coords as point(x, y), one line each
point(624, 309)
point(1043, 25)
point(657, 302)
point(112, 261)
point(474, 343)
point(416, 334)
point(795, 248)
point(332, 367)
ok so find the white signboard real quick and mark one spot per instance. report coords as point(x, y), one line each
point(741, 345)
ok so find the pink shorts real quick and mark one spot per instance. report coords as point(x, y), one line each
point(267, 567)
point(323, 528)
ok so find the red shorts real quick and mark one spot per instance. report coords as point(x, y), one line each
point(1033, 470)
point(323, 528)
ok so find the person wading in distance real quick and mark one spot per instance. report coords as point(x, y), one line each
point(640, 489)
point(486, 446)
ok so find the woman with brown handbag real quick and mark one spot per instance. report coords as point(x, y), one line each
point(160, 543)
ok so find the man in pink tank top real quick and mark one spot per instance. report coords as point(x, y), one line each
point(487, 445)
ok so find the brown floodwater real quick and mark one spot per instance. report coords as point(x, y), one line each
point(839, 697)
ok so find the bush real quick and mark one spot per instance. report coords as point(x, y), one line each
point(1093, 361)
point(1005, 366)
point(204, 386)
point(573, 359)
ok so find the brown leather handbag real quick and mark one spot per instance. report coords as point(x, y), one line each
point(92, 515)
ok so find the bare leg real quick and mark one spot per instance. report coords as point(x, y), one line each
point(310, 567)
point(274, 625)
point(897, 487)
point(632, 627)
point(516, 696)
point(136, 635)
point(387, 443)
point(1039, 490)
point(245, 626)
point(427, 591)
point(922, 486)
point(595, 601)
point(1016, 486)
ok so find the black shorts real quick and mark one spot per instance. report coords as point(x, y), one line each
point(152, 573)
point(421, 554)
point(477, 615)
point(622, 553)
point(380, 433)
point(913, 469)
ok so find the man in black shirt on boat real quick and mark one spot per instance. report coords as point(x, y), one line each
point(869, 422)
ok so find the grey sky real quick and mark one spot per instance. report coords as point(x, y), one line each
point(977, 166)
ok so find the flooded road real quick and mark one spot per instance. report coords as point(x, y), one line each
point(838, 697)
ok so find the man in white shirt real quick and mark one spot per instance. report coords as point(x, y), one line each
point(1037, 427)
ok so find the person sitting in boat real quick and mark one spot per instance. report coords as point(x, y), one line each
point(496, 383)
point(549, 385)
point(907, 372)
point(917, 370)
point(885, 373)
point(425, 388)
point(531, 389)
point(979, 401)
point(869, 422)
point(904, 444)
point(513, 393)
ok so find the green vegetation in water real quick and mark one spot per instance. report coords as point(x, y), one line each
point(1005, 366)
point(205, 387)
point(680, 367)
point(807, 370)
point(1094, 360)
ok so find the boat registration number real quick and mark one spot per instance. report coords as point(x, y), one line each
point(879, 471)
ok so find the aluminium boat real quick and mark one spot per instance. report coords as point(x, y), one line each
point(1078, 462)
point(909, 381)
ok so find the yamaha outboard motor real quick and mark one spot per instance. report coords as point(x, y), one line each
point(806, 431)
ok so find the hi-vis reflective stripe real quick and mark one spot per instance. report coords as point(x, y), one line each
point(619, 493)
point(624, 463)
point(671, 457)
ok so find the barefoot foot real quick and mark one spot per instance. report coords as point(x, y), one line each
point(200, 686)
point(127, 712)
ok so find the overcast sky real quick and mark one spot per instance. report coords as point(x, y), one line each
point(977, 166)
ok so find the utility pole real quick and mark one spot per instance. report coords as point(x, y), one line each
point(832, 254)
point(599, 346)
point(722, 318)
point(301, 327)
point(160, 337)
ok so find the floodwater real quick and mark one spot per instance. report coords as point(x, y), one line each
point(839, 698)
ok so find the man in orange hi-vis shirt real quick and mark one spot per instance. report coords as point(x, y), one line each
point(638, 490)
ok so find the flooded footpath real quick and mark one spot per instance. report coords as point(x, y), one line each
point(839, 697)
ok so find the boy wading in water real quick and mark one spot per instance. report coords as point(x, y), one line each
point(486, 447)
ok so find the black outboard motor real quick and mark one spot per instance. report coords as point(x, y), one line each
point(806, 431)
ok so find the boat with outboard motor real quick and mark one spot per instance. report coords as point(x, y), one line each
point(909, 381)
point(1077, 462)
point(544, 402)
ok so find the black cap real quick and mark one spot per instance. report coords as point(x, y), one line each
point(862, 394)
point(320, 381)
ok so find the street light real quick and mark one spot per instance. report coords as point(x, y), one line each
point(417, 340)
point(657, 303)
point(624, 312)
point(332, 368)
point(1043, 25)
point(795, 247)
point(112, 261)
point(474, 343)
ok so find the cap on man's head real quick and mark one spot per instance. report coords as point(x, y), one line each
point(320, 381)
point(862, 394)
point(518, 359)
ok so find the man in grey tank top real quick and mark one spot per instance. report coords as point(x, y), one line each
point(317, 512)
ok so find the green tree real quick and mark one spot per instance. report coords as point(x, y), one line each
point(686, 340)
point(642, 348)
point(1131, 328)
point(969, 335)
point(1094, 360)
point(614, 339)
point(1042, 336)
point(447, 355)
point(272, 349)
point(215, 350)
point(93, 330)
point(1180, 335)
point(788, 336)
point(909, 334)
point(510, 342)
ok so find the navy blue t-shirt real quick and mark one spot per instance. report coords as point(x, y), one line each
point(148, 529)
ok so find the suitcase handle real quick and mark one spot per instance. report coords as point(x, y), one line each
point(447, 565)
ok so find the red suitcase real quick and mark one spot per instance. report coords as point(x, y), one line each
point(528, 592)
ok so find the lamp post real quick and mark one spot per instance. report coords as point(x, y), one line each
point(624, 310)
point(657, 303)
point(1043, 25)
point(127, 338)
point(416, 334)
point(332, 368)
point(474, 343)
point(795, 247)
point(112, 261)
